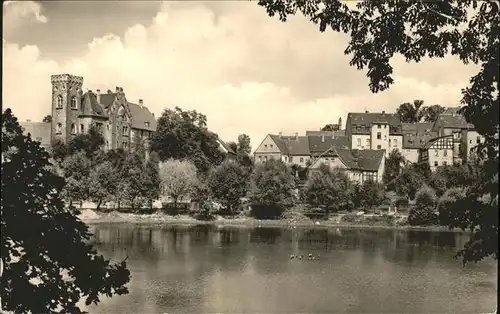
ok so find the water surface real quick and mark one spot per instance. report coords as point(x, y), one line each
point(208, 269)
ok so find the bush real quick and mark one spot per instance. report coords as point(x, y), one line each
point(350, 218)
point(383, 220)
point(447, 204)
point(423, 214)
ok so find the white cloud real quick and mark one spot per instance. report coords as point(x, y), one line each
point(247, 72)
point(16, 13)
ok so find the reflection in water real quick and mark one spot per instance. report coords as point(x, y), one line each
point(205, 269)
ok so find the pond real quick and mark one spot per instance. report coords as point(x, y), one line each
point(209, 269)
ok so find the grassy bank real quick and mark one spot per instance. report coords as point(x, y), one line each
point(291, 220)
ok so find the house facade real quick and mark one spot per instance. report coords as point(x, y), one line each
point(122, 123)
point(438, 152)
point(415, 136)
point(451, 123)
point(359, 165)
point(374, 131)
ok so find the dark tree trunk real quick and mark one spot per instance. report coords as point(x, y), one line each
point(99, 204)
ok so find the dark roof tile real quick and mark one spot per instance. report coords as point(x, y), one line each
point(319, 144)
point(415, 140)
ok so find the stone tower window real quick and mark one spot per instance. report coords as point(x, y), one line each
point(73, 128)
point(59, 128)
point(59, 101)
point(73, 102)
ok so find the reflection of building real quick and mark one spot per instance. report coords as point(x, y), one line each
point(121, 122)
point(438, 152)
point(359, 165)
point(376, 131)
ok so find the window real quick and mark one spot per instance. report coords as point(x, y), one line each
point(260, 157)
point(291, 159)
point(379, 147)
point(265, 145)
point(271, 145)
point(470, 141)
point(385, 137)
point(445, 153)
point(107, 144)
point(73, 128)
point(98, 126)
point(146, 123)
point(107, 126)
point(436, 164)
point(368, 142)
point(59, 101)
point(478, 140)
point(125, 144)
point(379, 136)
point(125, 130)
point(358, 141)
point(385, 126)
point(410, 141)
point(59, 128)
point(73, 102)
point(395, 142)
point(286, 159)
point(378, 126)
point(301, 159)
point(436, 153)
point(265, 157)
point(445, 163)
point(82, 128)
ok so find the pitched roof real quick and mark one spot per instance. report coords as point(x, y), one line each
point(326, 133)
point(417, 128)
point(279, 143)
point(142, 118)
point(412, 140)
point(453, 120)
point(296, 145)
point(365, 160)
point(40, 131)
point(226, 147)
point(319, 144)
point(361, 122)
point(140, 114)
point(432, 141)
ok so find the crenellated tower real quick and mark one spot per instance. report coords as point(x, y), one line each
point(66, 98)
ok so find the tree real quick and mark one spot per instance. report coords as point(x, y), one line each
point(372, 194)
point(393, 167)
point(131, 186)
point(102, 182)
point(328, 188)
point(184, 135)
point(331, 127)
point(89, 142)
point(244, 147)
point(423, 214)
point(430, 113)
point(54, 250)
point(151, 182)
point(415, 29)
point(76, 169)
point(448, 202)
point(228, 183)
point(272, 187)
point(408, 112)
point(47, 119)
point(408, 182)
point(178, 179)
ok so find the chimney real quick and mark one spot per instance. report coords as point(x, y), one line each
point(141, 103)
point(153, 114)
point(98, 94)
point(296, 135)
point(383, 112)
point(280, 134)
point(322, 138)
point(117, 89)
point(340, 123)
point(109, 91)
point(28, 120)
point(366, 111)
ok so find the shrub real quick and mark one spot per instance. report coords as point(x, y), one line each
point(261, 211)
point(350, 218)
point(423, 214)
point(447, 203)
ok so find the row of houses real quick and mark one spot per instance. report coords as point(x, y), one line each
point(368, 139)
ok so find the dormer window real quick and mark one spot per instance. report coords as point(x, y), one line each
point(147, 124)
point(73, 102)
point(73, 128)
point(59, 101)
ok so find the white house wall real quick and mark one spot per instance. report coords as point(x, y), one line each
point(410, 154)
point(267, 150)
point(360, 141)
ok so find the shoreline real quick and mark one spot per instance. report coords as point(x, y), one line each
point(93, 218)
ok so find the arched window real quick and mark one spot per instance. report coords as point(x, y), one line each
point(59, 101)
point(73, 102)
point(73, 128)
point(59, 128)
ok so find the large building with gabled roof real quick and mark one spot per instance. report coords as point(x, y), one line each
point(121, 122)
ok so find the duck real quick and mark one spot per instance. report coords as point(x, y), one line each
point(292, 256)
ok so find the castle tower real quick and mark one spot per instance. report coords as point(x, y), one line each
point(66, 98)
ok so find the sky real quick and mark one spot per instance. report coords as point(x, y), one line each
point(247, 72)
